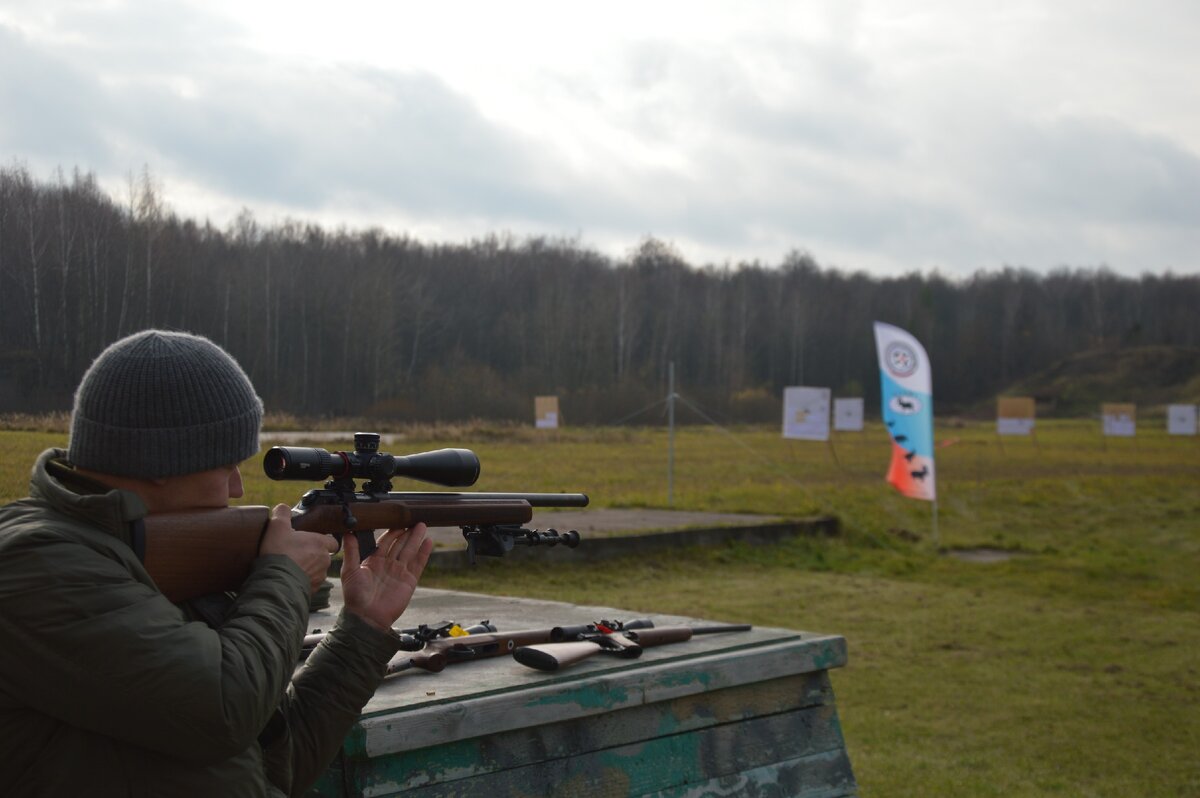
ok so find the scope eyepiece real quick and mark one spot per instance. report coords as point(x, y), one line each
point(446, 467)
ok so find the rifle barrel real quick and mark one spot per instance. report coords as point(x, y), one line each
point(713, 630)
point(534, 499)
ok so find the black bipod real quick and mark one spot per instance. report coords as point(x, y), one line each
point(496, 540)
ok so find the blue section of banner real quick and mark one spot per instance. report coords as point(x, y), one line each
point(908, 416)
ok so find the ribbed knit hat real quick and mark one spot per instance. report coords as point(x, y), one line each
point(161, 403)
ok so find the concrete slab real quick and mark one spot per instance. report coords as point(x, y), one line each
point(608, 522)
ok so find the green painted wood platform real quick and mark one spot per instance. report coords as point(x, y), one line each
point(741, 714)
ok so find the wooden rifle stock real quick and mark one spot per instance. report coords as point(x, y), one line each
point(194, 553)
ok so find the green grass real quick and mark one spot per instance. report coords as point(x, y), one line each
point(1071, 669)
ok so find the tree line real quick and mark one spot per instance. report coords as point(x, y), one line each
point(341, 323)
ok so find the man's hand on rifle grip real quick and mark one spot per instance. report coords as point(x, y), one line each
point(379, 589)
point(310, 550)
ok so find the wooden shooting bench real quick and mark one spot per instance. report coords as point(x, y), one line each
point(743, 713)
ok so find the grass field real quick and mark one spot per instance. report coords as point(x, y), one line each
point(1069, 669)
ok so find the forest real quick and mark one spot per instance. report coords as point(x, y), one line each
point(373, 323)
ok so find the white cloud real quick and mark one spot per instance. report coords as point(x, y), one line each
point(892, 137)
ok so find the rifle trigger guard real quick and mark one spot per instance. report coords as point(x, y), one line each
point(348, 515)
point(366, 537)
point(366, 543)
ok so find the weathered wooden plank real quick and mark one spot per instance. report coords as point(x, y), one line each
point(824, 775)
point(496, 720)
point(514, 749)
point(802, 752)
point(589, 693)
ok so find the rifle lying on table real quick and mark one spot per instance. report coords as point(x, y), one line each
point(444, 648)
point(410, 639)
point(628, 638)
point(194, 553)
point(567, 647)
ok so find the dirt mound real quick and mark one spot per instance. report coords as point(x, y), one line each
point(1148, 376)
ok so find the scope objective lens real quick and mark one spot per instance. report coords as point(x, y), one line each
point(298, 462)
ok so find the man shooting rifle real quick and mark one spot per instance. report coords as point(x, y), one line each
point(194, 553)
point(107, 687)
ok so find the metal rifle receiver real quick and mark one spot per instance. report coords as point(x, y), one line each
point(560, 634)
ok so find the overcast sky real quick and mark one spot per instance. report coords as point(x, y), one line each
point(884, 136)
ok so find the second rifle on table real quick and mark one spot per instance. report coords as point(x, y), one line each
point(569, 646)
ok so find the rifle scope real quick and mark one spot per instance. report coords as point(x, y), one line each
point(448, 467)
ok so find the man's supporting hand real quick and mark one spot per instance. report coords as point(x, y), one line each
point(379, 589)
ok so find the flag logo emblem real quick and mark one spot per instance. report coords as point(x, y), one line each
point(901, 359)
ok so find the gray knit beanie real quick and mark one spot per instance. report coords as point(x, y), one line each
point(161, 403)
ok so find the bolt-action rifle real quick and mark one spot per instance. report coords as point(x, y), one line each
point(442, 646)
point(197, 552)
point(568, 647)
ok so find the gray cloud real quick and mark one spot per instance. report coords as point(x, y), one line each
point(1096, 170)
point(954, 153)
point(54, 114)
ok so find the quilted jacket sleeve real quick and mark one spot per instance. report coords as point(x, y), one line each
point(89, 642)
point(324, 701)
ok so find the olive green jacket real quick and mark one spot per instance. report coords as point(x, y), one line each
point(106, 687)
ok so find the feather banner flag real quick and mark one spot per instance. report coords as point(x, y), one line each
point(907, 411)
